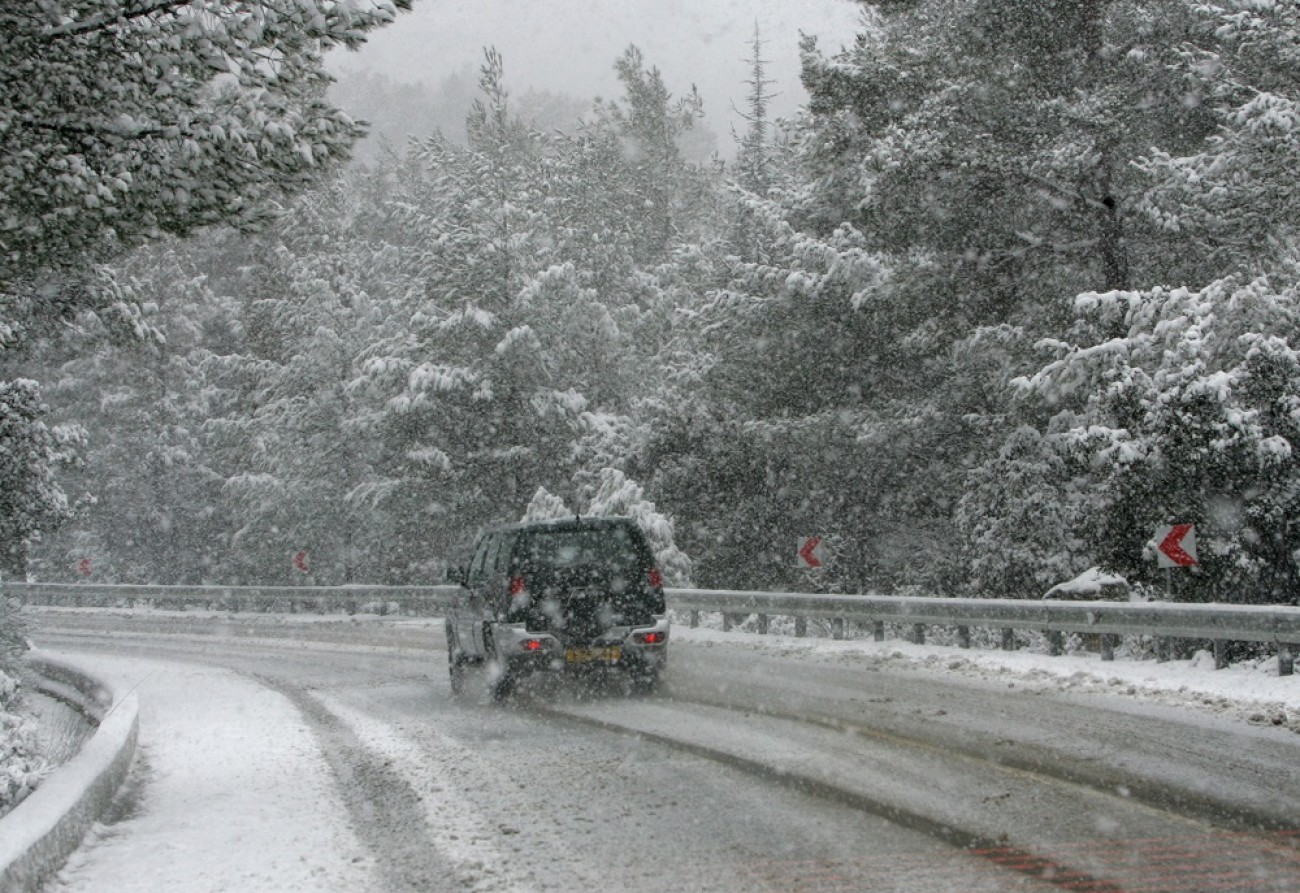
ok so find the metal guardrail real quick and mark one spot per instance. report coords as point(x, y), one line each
point(1244, 623)
point(1165, 620)
point(417, 600)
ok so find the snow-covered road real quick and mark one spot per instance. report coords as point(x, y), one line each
point(337, 759)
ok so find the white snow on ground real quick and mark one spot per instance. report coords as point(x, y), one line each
point(460, 833)
point(1251, 691)
point(232, 769)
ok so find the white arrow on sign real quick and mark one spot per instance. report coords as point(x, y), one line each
point(1176, 545)
point(810, 552)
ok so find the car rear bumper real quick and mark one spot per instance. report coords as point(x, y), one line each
point(642, 648)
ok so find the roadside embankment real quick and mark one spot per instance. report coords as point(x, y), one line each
point(38, 835)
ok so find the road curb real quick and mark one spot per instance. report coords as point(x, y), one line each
point(37, 836)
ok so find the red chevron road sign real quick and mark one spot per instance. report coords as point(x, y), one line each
point(810, 552)
point(1176, 545)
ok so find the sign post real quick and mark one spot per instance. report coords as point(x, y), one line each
point(1175, 547)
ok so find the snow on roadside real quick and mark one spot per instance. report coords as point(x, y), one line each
point(22, 762)
point(1250, 691)
point(229, 766)
point(458, 831)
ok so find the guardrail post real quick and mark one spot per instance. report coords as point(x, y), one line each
point(762, 624)
point(918, 633)
point(1162, 649)
point(1285, 659)
point(963, 637)
point(727, 622)
point(1008, 639)
point(694, 621)
point(1055, 642)
point(1220, 653)
point(801, 626)
point(878, 630)
point(1108, 646)
point(837, 628)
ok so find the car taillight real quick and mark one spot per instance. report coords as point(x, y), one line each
point(517, 587)
point(532, 644)
point(654, 637)
point(656, 578)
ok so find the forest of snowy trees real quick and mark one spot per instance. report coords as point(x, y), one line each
point(1017, 286)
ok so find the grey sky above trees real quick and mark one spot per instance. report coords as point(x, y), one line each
point(570, 47)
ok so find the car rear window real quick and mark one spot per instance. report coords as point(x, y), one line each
point(614, 548)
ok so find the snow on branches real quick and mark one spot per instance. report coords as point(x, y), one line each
point(122, 121)
point(30, 500)
point(1184, 405)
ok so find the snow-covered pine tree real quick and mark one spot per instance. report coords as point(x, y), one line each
point(613, 494)
point(1190, 415)
point(649, 122)
point(1226, 201)
point(753, 165)
point(135, 120)
point(31, 501)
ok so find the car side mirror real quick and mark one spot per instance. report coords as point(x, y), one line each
point(456, 574)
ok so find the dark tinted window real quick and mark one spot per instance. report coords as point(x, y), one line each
point(501, 561)
point(615, 548)
point(481, 560)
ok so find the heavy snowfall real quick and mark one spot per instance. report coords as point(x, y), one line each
point(1009, 292)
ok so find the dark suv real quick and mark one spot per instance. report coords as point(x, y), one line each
point(577, 594)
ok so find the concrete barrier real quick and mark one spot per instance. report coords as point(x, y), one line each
point(38, 835)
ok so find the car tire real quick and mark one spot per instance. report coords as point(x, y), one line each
point(455, 664)
point(501, 678)
point(503, 686)
point(646, 681)
point(456, 671)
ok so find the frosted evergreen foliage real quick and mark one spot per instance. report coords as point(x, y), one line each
point(1233, 195)
point(546, 506)
point(1181, 406)
point(31, 500)
point(137, 119)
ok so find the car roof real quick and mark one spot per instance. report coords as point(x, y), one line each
point(583, 522)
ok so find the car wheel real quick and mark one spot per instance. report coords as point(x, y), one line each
point(503, 685)
point(501, 678)
point(645, 681)
point(456, 671)
point(456, 662)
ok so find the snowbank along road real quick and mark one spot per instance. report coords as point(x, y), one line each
point(752, 770)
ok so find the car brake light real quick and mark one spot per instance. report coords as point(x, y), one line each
point(656, 578)
point(532, 644)
point(651, 638)
point(517, 587)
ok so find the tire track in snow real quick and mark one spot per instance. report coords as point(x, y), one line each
point(386, 813)
point(448, 823)
point(1101, 859)
point(1051, 766)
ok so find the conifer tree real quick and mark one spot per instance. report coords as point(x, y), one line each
point(754, 156)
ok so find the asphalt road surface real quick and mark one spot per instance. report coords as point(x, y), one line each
point(751, 772)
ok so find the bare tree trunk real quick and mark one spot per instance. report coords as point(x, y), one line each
point(1107, 207)
point(1111, 244)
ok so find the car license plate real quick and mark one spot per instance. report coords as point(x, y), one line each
point(592, 655)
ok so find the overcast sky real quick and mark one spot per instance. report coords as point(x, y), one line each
point(570, 45)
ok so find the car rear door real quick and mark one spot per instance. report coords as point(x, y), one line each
point(470, 613)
